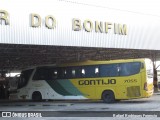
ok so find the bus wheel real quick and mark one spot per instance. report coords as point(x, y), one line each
point(108, 97)
point(36, 96)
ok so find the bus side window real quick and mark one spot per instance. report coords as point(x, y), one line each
point(96, 71)
point(76, 72)
point(39, 74)
point(73, 73)
point(130, 68)
point(83, 72)
point(90, 71)
point(68, 72)
point(60, 74)
point(43, 73)
point(109, 70)
point(55, 74)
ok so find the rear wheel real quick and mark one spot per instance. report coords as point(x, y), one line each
point(36, 96)
point(108, 97)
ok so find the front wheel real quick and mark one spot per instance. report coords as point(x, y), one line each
point(108, 97)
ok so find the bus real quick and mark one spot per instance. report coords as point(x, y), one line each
point(99, 80)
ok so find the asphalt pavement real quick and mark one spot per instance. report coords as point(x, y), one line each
point(146, 108)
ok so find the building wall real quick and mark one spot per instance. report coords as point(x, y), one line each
point(142, 30)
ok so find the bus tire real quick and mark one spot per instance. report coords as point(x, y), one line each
point(108, 96)
point(36, 96)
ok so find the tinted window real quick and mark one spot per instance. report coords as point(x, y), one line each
point(129, 68)
point(90, 71)
point(96, 71)
point(76, 72)
point(109, 70)
point(69, 72)
point(55, 73)
point(106, 70)
point(60, 73)
point(24, 78)
point(43, 74)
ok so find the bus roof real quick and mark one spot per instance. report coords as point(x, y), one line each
point(89, 62)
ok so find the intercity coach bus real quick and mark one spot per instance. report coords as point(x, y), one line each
point(107, 80)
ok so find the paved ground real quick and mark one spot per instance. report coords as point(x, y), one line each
point(86, 110)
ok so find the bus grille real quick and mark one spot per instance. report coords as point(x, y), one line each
point(133, 91)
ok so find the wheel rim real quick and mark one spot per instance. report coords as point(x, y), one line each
point(108, 96)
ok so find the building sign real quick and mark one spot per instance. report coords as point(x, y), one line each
point(4, 16)
point(77, 25)
point(89, 26)
point(62, 23)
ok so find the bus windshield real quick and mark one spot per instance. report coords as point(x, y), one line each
point(24, 78)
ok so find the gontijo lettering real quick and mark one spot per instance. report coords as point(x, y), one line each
point(97, 82)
